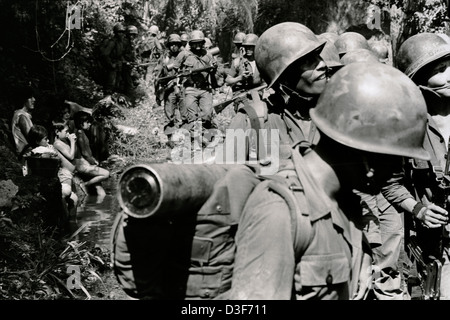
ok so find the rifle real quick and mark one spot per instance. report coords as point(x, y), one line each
point(218, 107)
point(428, 254)
point(440, 198)
point(186, 74)
point(429, 273)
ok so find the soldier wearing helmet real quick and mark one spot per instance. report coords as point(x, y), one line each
point(349, 41)
point(383, 222)
point(170, 90)
point(112, 59)
point(425, 58)
point(364, 134)
point(237, 40)
point(184, 41)
point(245, 75)
point(288, 58)
point(198, 86)
point(151, 50)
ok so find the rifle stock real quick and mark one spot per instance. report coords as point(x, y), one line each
point(218, 107)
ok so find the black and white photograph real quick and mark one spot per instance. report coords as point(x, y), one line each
point(224, 154)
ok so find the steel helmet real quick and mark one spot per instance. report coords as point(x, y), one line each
point(239, 37)
point(197, 36)
point(174, 38)
point(153, 29)
point(420, 50)
point(132, 30)
point(359, 55)
point(184, 37)
point(349, 41)
point(250, 40)
point(380, 49)
point(444, 36)
point(118, 27)
point(281, 45)
point(373, 107)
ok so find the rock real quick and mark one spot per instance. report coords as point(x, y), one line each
point(7, 192)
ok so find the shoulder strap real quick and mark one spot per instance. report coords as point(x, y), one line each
point(301, 228)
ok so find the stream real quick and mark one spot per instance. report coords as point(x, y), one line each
point(95, 216)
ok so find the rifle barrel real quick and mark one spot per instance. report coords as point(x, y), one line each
point(185, 74)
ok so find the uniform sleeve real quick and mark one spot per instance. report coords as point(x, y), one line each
point(394, 190)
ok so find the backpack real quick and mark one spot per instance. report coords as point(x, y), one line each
point(192, 256)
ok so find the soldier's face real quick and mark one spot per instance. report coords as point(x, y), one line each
point(307, 75)
point(249, 50)
point(196, 46)
point(439, 78)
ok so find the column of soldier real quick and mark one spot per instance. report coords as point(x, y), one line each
point(363, 154)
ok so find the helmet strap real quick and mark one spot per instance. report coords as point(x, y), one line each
point(288, 92)
point(433, 90)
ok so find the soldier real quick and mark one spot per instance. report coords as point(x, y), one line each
point(237, 54)
point(425, 58)
point(361, 140)
point(153, 48)
point(277, 53)
point(112, 55)
point(184, 41)
point(245, 76)
point(173, 96)
point(383, 224)
point(198, 86)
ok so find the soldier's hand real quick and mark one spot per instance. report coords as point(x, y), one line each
point(434, 216)
point(246, 74)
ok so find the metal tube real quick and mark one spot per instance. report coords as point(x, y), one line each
point(168, 189)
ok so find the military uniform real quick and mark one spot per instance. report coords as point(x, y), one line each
point(198, 88)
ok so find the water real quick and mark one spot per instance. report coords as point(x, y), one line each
point(95, 216)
